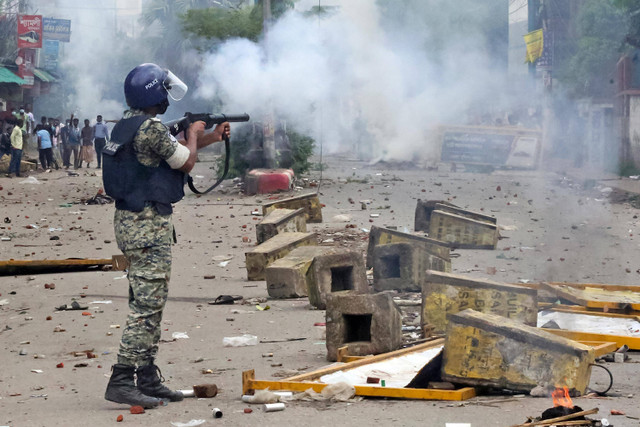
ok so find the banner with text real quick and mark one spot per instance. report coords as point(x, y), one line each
point(56, 29)
point(50, 50)
point(535, 45)
point(29, 31)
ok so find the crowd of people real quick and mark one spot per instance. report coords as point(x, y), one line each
point(56, 142)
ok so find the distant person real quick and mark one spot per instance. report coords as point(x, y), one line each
point(25, 123)
point(45, 148)
point(86, 151)
point(64, 139)
point(44, 124)
point(74, 142)
point(31, 120)
point(16, 148)
point(101, 136)
point(57, 144)
point(5, 140)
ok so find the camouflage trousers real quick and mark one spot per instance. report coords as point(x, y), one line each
point(149, 274)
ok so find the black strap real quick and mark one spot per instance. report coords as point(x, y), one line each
point(227, 150)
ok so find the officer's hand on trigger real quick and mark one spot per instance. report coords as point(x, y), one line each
point(196, 129)
point(222, 130)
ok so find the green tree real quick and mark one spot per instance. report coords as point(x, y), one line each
point(593, 50)
point(631, 8)
point(218, 24)
point(224, 23)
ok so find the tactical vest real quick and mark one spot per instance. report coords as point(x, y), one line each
point(131, 183)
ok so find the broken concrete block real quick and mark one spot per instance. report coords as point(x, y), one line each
point(309, 202)
point(366, 323)
point(336, 270)
point(385, 236)
point(463, 232)
point(401, 266)
point(445, 293)
point(288, 276)
point(316, 271)
point(263, 181)
point(279, 221)
point(424, 208)
point(275, 248)
point(483, 349)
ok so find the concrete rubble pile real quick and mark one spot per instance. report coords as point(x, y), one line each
point(491, 338)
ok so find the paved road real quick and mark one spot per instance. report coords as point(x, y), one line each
point(552, 228)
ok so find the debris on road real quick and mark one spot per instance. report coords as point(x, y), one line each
point(488, 350)
point(259, 258)
point(240, 341)
point(445, 293)
point(309, 202)
point(279, 221)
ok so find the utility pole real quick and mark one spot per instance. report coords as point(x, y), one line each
point(269, 140)
point(547, 79)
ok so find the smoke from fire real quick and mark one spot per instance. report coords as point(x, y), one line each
point(358, 79)
point(365, 78)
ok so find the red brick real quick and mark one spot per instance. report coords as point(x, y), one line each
point(136, 410)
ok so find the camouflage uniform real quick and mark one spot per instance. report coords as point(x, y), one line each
point(145, 239)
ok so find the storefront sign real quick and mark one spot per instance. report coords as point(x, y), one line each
point(29, 31)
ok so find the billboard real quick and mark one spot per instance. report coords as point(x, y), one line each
point(50, 50)
point(29, 31)
point(56, 29)
point(506, 146)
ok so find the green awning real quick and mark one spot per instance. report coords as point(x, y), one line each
point(43, 75)
point(6, 76)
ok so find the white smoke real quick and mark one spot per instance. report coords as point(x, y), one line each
point(337, 76)
point(87, 60)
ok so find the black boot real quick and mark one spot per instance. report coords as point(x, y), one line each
point(150, 381)
point(122, 389)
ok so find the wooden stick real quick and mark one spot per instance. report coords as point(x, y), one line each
point(552, 421)
point(575, 423)
point(570, 423)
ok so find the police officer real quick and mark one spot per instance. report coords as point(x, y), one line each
point(144, 171)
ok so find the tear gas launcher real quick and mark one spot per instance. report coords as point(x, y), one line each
point(182, 124)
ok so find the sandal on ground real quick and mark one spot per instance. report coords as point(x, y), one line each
point(225, 299)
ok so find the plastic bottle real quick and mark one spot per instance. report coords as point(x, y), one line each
point(241, 341)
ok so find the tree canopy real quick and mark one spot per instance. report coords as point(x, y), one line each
point(222, 24)
point(594, 48)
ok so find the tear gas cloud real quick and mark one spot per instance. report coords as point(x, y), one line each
point(358, 80)
point(88, 59)
point(362, 78)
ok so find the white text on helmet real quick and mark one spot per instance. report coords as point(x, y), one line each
point(151, 84)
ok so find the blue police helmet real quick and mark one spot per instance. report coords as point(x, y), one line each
point(144, 86)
